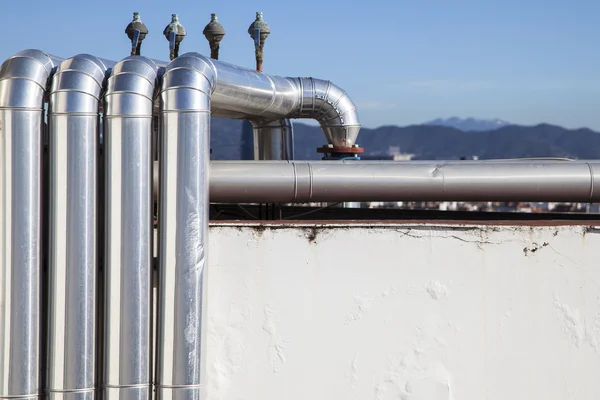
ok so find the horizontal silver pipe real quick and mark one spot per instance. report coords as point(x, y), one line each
point(273, 140)
point(277, 181)
point(23, 80)
point(332, 181)
point(73, 227)
point(128, 230)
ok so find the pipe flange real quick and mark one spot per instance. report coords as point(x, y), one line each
point(329, 149)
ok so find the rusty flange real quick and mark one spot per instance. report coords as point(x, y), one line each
point(348, 150)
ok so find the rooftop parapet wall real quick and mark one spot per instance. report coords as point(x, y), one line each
point(411, 311)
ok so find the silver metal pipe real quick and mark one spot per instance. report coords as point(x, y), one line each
point(332, 181)
point(274, 140)
point(73, 227)
point(129, 228)
point(23, 80)
point(183, 227)
point(248, 181)
point(247, 94)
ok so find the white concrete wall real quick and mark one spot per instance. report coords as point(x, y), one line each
point(404, 312)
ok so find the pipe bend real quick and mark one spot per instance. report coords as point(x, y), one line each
point(245, 94)
point(24, 78)
point(332, 108)
point(130, 88)
point(77, 85)
point(187, 84)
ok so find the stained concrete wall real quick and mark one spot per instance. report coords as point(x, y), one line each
point(404, 312)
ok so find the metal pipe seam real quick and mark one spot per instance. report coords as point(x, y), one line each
point(128, 251)
point(73, 227)
point(186, 88)
point(23, 82)
point(273, 140)
point(331, 181)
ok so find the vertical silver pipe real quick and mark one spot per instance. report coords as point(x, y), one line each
point(73, 227)
point(23, 80)
point(274, 140)
point(187, 84)
point(128, 230)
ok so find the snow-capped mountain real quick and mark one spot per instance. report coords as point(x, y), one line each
point(469, 124)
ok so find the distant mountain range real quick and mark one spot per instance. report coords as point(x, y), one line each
point(469, 124)
point(430, 142)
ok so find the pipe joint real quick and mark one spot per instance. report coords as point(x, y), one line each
point(245, 94)
point(24, 78)
point(77, 85)
point(332, 108)
point(594, 182)
point(130, 88)
point(188, 82)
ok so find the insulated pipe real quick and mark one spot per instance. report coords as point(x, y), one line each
point(183, 227)
point(23, 80)
point(332, 181)
point(241, 93)
point(128, 230)
point(318, 181)
point(245, 94)
point(73, 227)
point(274, 140)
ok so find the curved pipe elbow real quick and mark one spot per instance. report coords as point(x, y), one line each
point(187, 84)
point(332, 108)
point(24, 79)
point(246, 94)
point(77, 85)
point(130, 88)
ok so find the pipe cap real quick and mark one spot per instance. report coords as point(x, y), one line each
point(136, 24)
point(176, 27)
point(259, 23)
point(214, 31)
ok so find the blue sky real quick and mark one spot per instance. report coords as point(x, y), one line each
point(402, 61)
